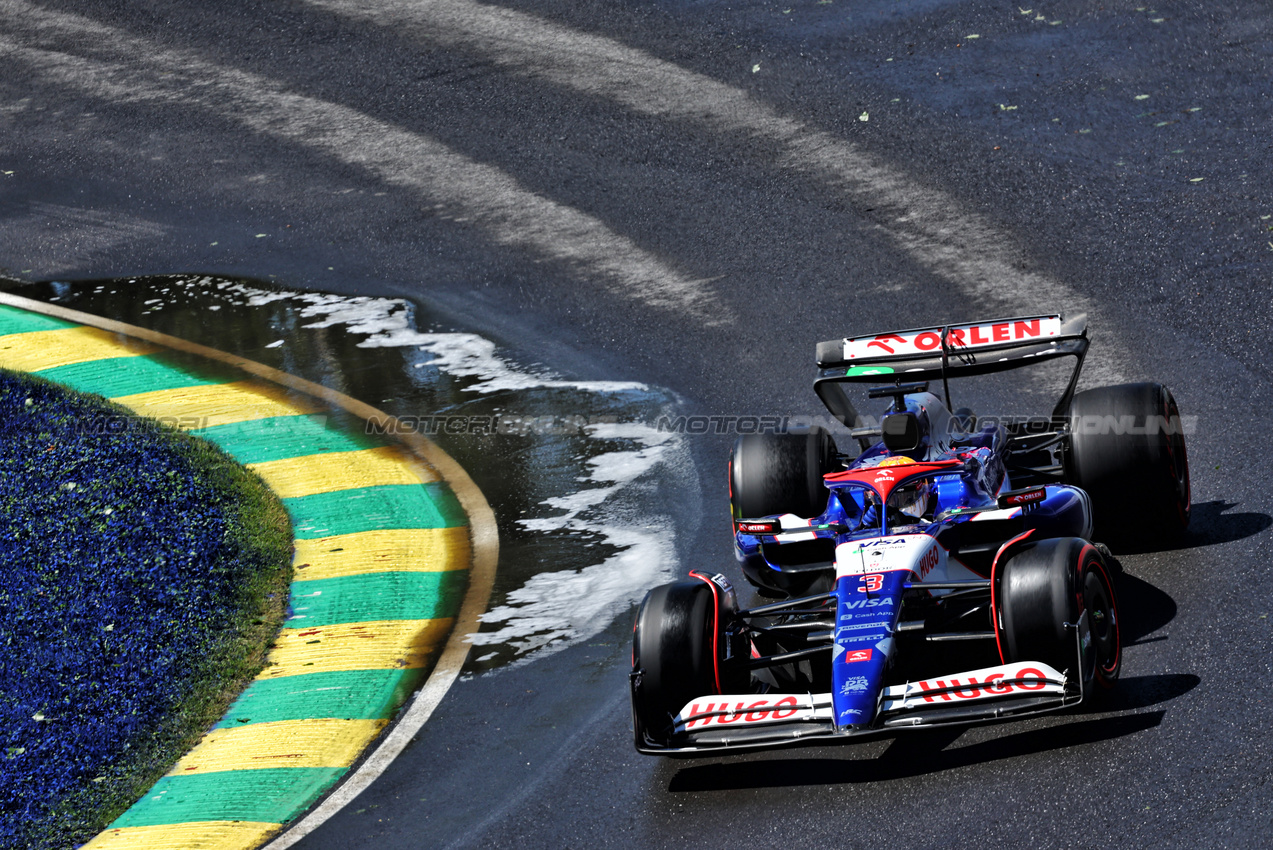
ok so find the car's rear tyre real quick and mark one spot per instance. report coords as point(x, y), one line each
point(780, 474)
point(1045, 585)
point(672, 654)
point(1127, 450)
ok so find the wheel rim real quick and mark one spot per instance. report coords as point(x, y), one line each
point(1102, 615)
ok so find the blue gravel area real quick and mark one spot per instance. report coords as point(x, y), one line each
point(116, 579)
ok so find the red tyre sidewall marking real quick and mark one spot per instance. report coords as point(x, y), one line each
point(715, 625)
point(994, 592)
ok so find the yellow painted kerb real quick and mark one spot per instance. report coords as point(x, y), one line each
point(218, 404)
point(201, 835)
point(377, 645)
point(327, 473)
point(38, 350)
point(317, 742)
point(380, 551)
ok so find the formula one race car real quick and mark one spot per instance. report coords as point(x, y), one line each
point(946, 544)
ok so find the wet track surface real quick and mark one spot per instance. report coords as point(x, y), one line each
point(687, 197)
point(579, 473)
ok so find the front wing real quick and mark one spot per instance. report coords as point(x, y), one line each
point(746, 721)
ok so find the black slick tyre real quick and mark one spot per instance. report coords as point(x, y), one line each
point(1042, 587)
point(773, 474)
point(780, 473)
point(672, 655)
point(1127, 450)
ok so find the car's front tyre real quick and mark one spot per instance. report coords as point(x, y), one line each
point(1041, 590)
point(672, 655)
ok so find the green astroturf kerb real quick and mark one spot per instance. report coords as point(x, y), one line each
point(376, 596)
point(342, 695)
point(17, 321)
point(282, 437)
point(121, 376)
point(385, 507)
point(268, 795)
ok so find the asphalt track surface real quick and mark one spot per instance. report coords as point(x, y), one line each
point(693, 194)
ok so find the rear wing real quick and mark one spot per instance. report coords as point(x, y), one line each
point(938, 353)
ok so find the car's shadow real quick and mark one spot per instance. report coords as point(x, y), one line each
point(925, 752)
point(1210, 523)
point(1143, 608)
point(1133, 692)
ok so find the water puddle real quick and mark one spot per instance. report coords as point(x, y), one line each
point(583, 484)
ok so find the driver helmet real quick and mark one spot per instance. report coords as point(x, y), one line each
point(913, 499)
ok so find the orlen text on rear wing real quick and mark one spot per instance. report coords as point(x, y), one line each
point(926, 354)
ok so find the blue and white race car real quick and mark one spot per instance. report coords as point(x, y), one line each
point(945, 574)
